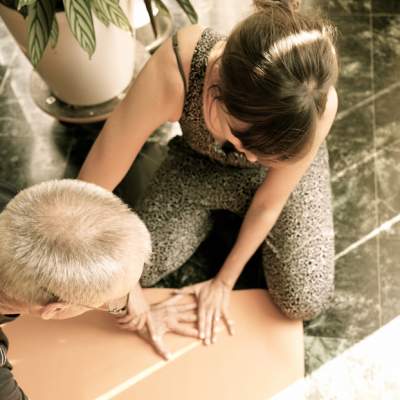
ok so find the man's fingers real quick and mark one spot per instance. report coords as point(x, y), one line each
point(215, 322)
point(187, 317)
point(201, 322)
point(125, 319)
point(131, 323)
point(208, 327)
point(185, 307)
point(185, 330)
point(230, 324)
point(151, 328)
point(160, 347)
point(156, 339)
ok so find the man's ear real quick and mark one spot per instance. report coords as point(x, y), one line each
point(50, 311)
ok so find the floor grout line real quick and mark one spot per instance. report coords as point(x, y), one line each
point(4, 79)
point(374, 127)
point(386, 226)
point(368, 100)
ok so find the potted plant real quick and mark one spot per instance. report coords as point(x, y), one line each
point(83, 49)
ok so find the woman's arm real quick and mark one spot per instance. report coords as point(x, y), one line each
point(155, 97)
point(270, 199)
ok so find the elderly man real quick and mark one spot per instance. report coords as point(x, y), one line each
point(67, 247)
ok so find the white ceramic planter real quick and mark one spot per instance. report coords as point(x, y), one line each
point(67, 69)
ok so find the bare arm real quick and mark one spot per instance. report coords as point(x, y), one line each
point(269, 201)
point(155, 97)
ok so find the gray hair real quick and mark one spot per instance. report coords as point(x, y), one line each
point(68, 239)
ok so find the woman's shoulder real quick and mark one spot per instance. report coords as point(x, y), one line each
point(166, 64)
point(188, 38)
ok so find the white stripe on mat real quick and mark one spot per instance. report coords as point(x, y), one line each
point(145, 373)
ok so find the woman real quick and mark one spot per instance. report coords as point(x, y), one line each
point(255, 109)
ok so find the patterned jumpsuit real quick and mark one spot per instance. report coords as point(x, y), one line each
point(198, 176)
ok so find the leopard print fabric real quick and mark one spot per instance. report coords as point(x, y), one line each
point(194, 179)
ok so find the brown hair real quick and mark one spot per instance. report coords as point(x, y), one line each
point(275, 74)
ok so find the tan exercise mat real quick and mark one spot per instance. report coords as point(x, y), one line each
point(88, 357)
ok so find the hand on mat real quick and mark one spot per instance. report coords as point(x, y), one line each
point(213, 302)
point(160, 318)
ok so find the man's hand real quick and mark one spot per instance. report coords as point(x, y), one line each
point(152, 322)
point(213, 303)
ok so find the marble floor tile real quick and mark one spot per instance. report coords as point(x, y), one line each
point(8, 47)
point(332, 8)
point(388, 178)
point(387, 136)
point(318, 350)
point(345, 7)
point(386, 50)
point(28, 155)
point(354, 41)
point(15, 160)
point(354, 205)
point(351, 142)
point(13, 120)
point(389, 263)
point(355, 309)
point(387, 117)
point(386, 6)
point(29, 159)
point(3, 77)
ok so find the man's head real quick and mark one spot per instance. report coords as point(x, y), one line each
point(67, 244)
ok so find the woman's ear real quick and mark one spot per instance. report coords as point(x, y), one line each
point(52, 310)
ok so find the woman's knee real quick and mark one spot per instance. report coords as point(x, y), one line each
point(304, 305)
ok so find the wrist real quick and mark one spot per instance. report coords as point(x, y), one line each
point(227, 282)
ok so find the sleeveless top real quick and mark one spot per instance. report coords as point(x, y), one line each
point(194, 129)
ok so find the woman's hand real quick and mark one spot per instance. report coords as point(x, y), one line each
point(151, 322)
point(213, 302)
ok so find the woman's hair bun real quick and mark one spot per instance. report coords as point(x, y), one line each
point(264, 5)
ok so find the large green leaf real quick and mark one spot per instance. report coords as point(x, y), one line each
point(187, 7)
point(40, 22)
point(54, 33)
point(113, 12)
point(100, 15)
point(79, 16)
point(23, 3)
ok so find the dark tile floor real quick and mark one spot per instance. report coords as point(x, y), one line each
point(365, 156)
